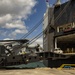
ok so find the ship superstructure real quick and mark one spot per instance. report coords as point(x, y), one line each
point(59, 31)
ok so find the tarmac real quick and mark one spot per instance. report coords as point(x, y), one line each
point(38, 71)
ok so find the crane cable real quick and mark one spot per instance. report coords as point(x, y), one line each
point(58, 15)
point(24, 36)
point(36, 26)
point(23, 45)
point(35, 38)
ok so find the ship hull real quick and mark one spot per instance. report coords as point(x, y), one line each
point(56, 63)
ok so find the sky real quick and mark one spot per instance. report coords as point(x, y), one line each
point(17, 17)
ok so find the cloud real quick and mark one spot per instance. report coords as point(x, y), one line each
point(15, 24)
point(5, 18)
point(20, 31)
point(11, 13)
point(17, 8)
point(7, 39)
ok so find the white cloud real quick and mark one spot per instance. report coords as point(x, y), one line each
point(17, 8)
point(8, 39)
point(15, 24)
point(20, 31)
point(5, 18)
point(11, 13)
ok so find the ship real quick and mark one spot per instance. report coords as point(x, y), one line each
point(59, 32)
point(58, 41)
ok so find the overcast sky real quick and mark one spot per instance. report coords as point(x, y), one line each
point(17, 17)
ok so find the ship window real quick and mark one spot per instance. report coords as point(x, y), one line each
point(73, 25)
point(45, 33)
point(60, 29)
point(57, 29)
point(65, 27)
point(68, 27)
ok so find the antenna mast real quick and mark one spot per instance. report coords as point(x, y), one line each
point(47, 3)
